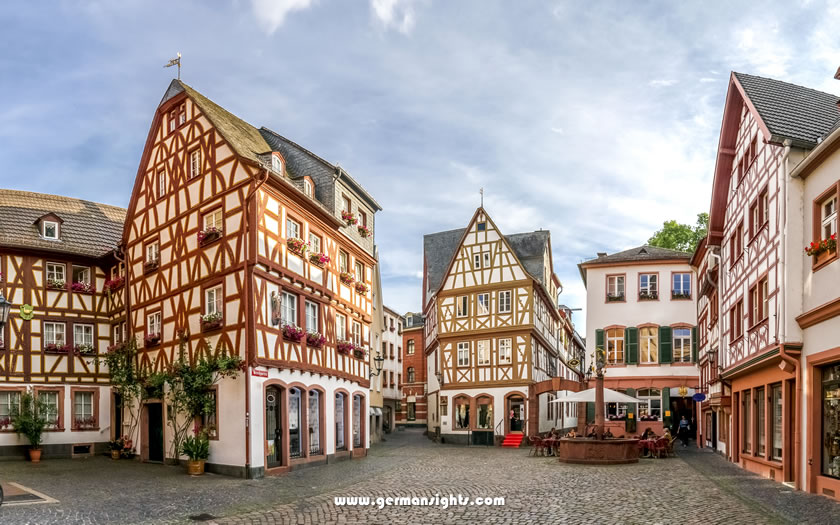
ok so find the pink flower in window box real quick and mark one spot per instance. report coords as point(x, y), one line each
point(82, 287)
point(315, 339)
point(209, 234)
point(347, 278)
point(85, 422)
point(152, 339)
point(57, 348)
point(319, 259)
point(348, 217)
point(115, 283)
point(345, 347)
point(297, 246)
point(364, 231)
point(293, 333)
point(55, 284)
point(362, 288)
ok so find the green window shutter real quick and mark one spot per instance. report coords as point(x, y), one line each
point(627, 346)
point(694, 344)
point(590, 413)
point(599, 338)
point(666, 353)
point(632, 348)
point(666, 405)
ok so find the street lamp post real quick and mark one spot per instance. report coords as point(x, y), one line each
point(600, 362)
point(377, 363)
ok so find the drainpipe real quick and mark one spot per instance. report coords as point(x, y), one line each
point(249, 334)
point(797, 433)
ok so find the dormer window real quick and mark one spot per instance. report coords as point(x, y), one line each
point(49, 230)
point(277, 163)
point(307, 187)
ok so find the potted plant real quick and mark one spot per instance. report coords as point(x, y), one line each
point(211, 321)
point(319, 259)
point(293, 333)
point(347, 278)
point(113, 284)
point(348, 218)
point(362, 288)
point(152, 340)
point(823, 245)
point(82, 287)
point(344, 347)
point(364, 231)
point(55, 284)
point(85, 349)
point(29, 420)
point(209, 234)
point(151, 265)
point(57, 348)
point(315, 339)
point(197, 449)
point(296, 245)
point(116, 446)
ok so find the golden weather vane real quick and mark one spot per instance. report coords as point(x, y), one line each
point(176, 62)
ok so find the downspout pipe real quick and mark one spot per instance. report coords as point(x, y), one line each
point(797, 433)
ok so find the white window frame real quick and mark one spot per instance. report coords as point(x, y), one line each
point(477, 261)
point(504, 298)
point(213, 300)
point(45, 225)
point(288, 308)
point(153, 324)
point(307, 187)
point(52, 414)
point(409, 349)
point(766, 203)
point(651, 286)
point(505, 351)
point(153, 252)
point(613, 342)
point(195, 163)
point(483, 352)
point(311, 314)
point(53, 273)
point(647, 407)
point(486, 259)
point(463, 354)
point(277, 164)
point(83, 334)
point(85, 274)
point(314, 243)
point(161, 183)
point(828, 222)
point(683, 287)
point(615, 285)
point(55, 333)
point(214, 218)
point(83, 400)
point(462, 306)
point(684, 339)
point(357, 333)
point(482, 303)
point(8, 400)
point(341, 327)
point(292, 228)
point(645, 341)
point(764, 286)
point(359, 271)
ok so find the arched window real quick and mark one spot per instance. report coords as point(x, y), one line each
point(295, 446)
point(357, 421)
point(484, 412)
point(314, 420)
point(462, 413)
point(340, 402)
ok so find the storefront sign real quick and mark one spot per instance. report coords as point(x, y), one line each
point(259, 373)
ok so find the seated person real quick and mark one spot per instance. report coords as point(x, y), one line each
point(552, 433)
point(648, 434)
point(572, 433)
point(608, 434)
point(667, 434)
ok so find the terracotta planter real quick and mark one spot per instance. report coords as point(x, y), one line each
point(35, 455)
point(195, 467)
point(115, 454)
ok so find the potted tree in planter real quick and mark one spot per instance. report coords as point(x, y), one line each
point(30, 420)
point(116, 446)
point(197, 449)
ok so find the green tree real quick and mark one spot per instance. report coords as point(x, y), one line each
point(682, 237)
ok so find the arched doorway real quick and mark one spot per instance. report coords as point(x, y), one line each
point(274, 426)
point(516, 413)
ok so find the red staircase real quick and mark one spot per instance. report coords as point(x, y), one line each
point(513, 440)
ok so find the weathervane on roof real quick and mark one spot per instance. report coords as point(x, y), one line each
point(176, 62)
point(481, 191)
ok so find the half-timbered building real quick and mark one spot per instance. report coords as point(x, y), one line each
point(640, 309)
point(239, 238)
point(491, 330)
point(61, 269)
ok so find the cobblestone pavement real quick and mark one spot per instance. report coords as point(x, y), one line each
point(698, 487)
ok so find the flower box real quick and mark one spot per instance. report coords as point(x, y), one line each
point(151, 266)
point(293, 333)
point(84, 423)
point(53, 348)
point(613, 417)
point(55, 284)
point(648, 296)
point(315, 340)
point(362, 288)
point(319, 259)
point(347, 278)
point(152, 340)
point(364, 231)
point(116, 347)
point(296, 245)
point(5, 422)
point(208, 235)
point(823, 245)
point(85, 349)
point(648, 418)
point(348, 218)
point(613, 298)
point(345, 347)
point(211, 321)
point(82, 287)
point(358, 353)
point(680, 295)
point(114, 284)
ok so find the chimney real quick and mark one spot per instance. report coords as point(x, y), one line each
point(602, 254)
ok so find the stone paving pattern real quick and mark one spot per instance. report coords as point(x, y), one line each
point(697, 487)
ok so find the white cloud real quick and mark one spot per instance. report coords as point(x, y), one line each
point(662, 82)
point(762, 48)
point(271, 14)
point(708, 79)
point(559, 131)
point(398, 14)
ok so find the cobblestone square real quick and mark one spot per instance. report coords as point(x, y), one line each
point(697, 487)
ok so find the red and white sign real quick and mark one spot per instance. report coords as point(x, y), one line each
point(259, 373)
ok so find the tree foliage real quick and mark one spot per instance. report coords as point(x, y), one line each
point(682, 237)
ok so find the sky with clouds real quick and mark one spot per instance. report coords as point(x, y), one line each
point(596, 121)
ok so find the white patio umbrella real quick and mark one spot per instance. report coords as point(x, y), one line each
point(588, 396)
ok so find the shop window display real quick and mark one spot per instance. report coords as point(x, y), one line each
point(831, 421)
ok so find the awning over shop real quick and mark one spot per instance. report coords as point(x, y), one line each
point(588, 396)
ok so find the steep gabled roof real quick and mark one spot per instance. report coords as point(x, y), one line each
point(531, 248)
point(88, 228)
point(802, 115)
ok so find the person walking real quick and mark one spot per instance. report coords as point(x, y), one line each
point(682, 432)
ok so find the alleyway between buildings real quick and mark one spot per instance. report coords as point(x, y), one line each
point(697, 487)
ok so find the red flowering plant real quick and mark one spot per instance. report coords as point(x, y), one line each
point(57, 348)
point(348, 217)
point(315, 339)
point(293, 332)
point(115, 283)
point(359, 353)
point(55, 284)
point(297, 246)
point(82, 287)
point(208, 234)
point(319, 259)
point(347, 278)
point(345, 347)
point(151, 339)
point(823, 245)
point(362, 288)
point(5, 421)
point(85, 422)
point(364, 231)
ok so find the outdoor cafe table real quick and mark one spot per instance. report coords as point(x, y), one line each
point(549, 443)
point(647, 446)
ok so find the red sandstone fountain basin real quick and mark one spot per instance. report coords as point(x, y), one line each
point(588, 451)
